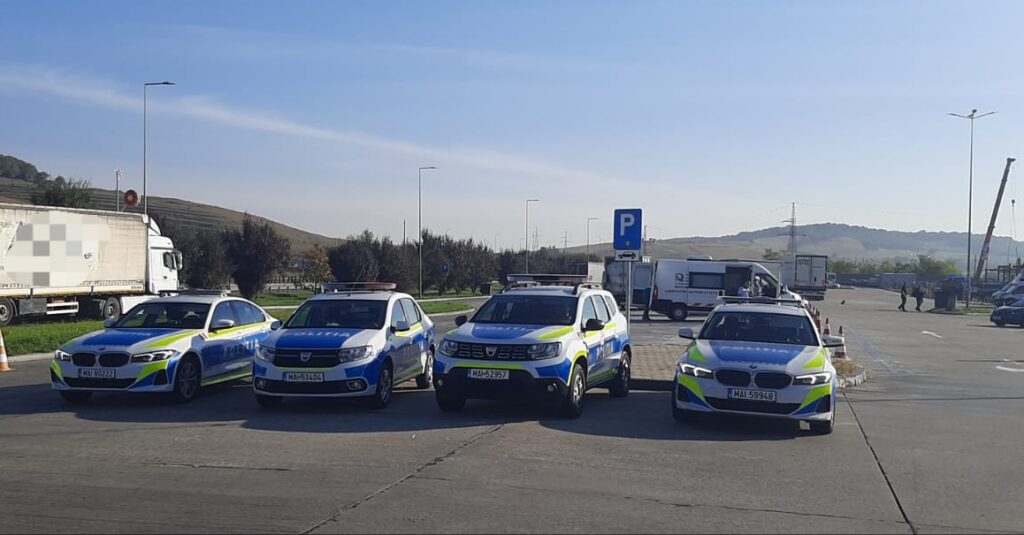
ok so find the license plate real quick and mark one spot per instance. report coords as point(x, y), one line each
point(95, 373)
point(304, 377)
point(489, 375)
point(751, 395)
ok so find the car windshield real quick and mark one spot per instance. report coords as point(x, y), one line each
point(158, 315)
point(528, 310)
point(339, 314)
point(759, 327)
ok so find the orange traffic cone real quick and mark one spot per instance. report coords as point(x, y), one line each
point(3, 356)
point(828, 330)
point(841, 352)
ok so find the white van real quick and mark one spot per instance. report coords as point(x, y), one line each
point(695, 284)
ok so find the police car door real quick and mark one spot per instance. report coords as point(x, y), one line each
point(248, 315)
point(221, 345)
point(399, 343)
point(606, 351)
point(418, 343)
point(593, 339)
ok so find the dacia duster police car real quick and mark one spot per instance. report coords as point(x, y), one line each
point(548, 342)
point(759, 357)
point(354, 340)
point(171, 344)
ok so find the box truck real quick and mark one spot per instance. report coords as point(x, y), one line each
point(806, 274)
point(695, 284)
point(63, 261)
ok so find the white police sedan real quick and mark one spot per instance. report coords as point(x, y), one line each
point(758, 358)
point(172, 344)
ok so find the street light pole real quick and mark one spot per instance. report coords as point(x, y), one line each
point(528, 201)
point(970, 195)
point(145, 134)
point(589, 219)
point(419, 217)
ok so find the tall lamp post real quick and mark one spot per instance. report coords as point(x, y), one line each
point(589, 219)
point(970, 195)
point(419, 217)
point(145, 134)
point(528, 201)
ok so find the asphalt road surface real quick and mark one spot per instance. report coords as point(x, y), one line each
point(930, 445)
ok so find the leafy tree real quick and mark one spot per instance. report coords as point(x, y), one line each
point(12, 167)
point(316, 268)
point(398, 264)
point(355, 260)
point(254, 253)
point(70, 193)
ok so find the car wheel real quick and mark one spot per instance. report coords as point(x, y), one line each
point(679, 313)
point(424, 380)
point(823, 428)
point(385, 385)
point(268, 402)
point(75, 396)
point(572, 404)
point(999, 323)
point(619, 388)
point(448, 402)
point(186, 380)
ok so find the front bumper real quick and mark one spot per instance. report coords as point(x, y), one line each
point(344, 380)
point(539, 380)
point(798, 402)
point(132, 377)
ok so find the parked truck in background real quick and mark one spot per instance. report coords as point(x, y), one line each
point(615, 280)
point(65, 261)
point(806, 274)
point(695, 284)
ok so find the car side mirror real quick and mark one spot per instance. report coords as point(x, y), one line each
point(400, 326)
point(461, 320)
point(686, 332)
point(593, 324)
point(275, 325)
point(222, 324)
point(109, 323)
point(834, 341)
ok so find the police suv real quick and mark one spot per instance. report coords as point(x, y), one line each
point(547, 338)
point(353, 340)
point(758, 356)
point(171, 344)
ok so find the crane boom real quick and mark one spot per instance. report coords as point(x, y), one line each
point(983, 258)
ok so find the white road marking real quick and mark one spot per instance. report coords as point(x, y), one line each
point(1014, 370)
point(929, 333)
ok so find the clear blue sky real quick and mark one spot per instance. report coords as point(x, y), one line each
point(712, 116)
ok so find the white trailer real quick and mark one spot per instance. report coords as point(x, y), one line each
point(694, 285)
point(806, 274)
point(63, 261)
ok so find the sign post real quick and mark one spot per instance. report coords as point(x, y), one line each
point(628, 227)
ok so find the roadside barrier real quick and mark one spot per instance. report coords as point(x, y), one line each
point(4, 367)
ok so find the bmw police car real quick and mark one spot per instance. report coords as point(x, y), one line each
point(541, 342)
point(172, 344)
point(759, 357)
point(354, 340)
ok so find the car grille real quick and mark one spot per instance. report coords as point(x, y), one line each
point(733, 377)
point(113, 360)
point(318, 359)
point(76, 382)
point(744, 405)
point(468, 350)
point(83, 359)
point(772, 380)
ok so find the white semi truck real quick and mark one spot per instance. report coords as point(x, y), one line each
point(64, 261)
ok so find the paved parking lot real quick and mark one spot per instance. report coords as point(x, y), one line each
point(928, 445)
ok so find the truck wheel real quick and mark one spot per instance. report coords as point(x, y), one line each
point(112, 309)
point(7, 311)
point(678, 313)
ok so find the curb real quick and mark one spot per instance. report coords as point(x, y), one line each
point(30, 357)
point(849, 381)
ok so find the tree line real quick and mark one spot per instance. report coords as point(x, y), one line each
point(924, 266)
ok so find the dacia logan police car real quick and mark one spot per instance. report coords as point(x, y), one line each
point(172, 344)
point(354, 340)
point(539, 342)
point(760, 357)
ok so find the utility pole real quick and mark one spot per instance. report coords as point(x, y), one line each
point(565, 241)
point(644, 252)
point(117, 190)
point(791, 249)
point(403, 233)
point(970, 197)
point(527, 236)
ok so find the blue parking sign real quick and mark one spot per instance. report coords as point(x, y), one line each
point(628, 229)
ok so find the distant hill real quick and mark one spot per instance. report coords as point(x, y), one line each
point(178, 212)
point(833, 239)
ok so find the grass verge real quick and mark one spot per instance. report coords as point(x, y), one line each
point(45, 337)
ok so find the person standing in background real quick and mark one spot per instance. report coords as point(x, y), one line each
point(903, 297)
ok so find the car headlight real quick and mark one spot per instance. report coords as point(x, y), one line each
point(266, 353)
point(350, 354)
point(153, 356)
point(449, 348)
point(544, 351)
point(695, 371)
point(813, 379)
point(61, 355)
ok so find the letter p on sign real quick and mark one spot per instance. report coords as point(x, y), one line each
point(628, 229)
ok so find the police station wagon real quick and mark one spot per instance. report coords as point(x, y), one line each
point(172, 344)
point(548, 343)
point(354, 340)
